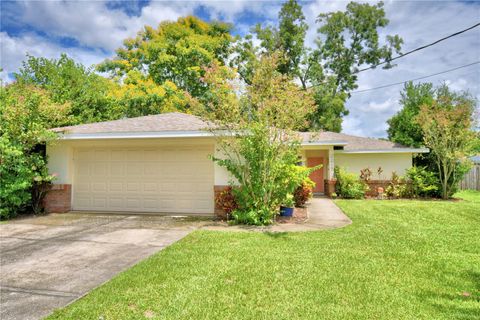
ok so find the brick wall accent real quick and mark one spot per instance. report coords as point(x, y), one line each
point(58, 199)
point(219, 212)
point(329, 186)
point(374, 185)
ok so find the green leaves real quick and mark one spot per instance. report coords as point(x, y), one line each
point(446, 126)
point(68, 82)
point(403, 128)
point(346, 40)
point(259, 144)
point(175, 51)
point(25, 114)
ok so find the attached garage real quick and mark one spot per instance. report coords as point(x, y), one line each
point(148, 179)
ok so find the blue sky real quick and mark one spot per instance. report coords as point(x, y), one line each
point(90, 31)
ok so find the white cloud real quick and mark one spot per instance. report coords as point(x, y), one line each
point(14, 50)
point(92, 23)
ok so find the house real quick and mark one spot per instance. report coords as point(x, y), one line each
point(161, 163)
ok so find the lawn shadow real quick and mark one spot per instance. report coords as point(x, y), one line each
point(276, 234)
point(455, 302)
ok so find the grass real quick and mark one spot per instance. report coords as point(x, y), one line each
point(398, 260)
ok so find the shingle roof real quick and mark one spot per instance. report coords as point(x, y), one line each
point(174, 121)
point(181, 122)
point(352, 142)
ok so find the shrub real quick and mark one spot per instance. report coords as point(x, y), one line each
point(349, 186)
point(304, 192)
point(289, 201)
point(397, 187)
point(26, 113)
point(366, 174)
point(226, 200)
point(252, 217)
point(421, 183)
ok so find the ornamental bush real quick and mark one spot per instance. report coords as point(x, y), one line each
point(349, 185)
point(304, 192)
point(259, 140)
point(227, 201)
point(421, 183)
point(26, 113)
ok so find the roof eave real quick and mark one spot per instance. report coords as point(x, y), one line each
point(392, 150)
point(135, 135)
point(324, 143)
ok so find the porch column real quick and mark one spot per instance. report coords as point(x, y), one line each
point(330, 180)
point(331, 163)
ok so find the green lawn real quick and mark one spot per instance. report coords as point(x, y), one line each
point(398, 260)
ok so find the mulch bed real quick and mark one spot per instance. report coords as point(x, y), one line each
point(300, 215)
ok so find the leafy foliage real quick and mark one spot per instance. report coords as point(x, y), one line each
point(303, 192)
point(226, 200)
point(175, 52)
point(260, 148)
point(25, 113)
point(139, 95)
point(349, 186)
point(403, 127)
point(421, 183)
point(345, 41)
point(446, 126)
point(397, 187)
point(68, 82)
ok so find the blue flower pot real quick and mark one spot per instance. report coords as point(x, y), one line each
point(286, 211)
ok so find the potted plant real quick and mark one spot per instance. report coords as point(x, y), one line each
point(286, 210)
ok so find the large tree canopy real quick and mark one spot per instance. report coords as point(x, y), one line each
point(403, 128)
point(69, 82)
point(346, 40)
point(175, 52)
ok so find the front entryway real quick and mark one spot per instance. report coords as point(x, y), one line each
point(317, 175)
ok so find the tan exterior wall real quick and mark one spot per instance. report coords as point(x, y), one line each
point(390, 162)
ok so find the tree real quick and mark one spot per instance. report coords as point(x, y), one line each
point(25, 113)
point(446, 125)
point(346, 41)
point(175, 53)
point(72, 83)
point(403, 128)
point(256, 137)
point(139, 95)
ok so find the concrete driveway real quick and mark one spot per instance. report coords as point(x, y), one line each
point(47, 262)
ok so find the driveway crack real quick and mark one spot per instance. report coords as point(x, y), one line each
point(42, 292)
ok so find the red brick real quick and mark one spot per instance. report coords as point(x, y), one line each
point(58, 199)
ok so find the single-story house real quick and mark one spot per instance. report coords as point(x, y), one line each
point(161, 164)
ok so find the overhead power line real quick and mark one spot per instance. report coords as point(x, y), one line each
point(420, 78)
point(419, 48)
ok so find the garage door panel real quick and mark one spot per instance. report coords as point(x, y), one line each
point(167, 180)
point(115, 202)
point(117, 170)
point(115, 186)
point(134, 169)
point(99, 187)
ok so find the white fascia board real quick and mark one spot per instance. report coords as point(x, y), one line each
point(325, 143)
point(395, 150)
point(135, 135)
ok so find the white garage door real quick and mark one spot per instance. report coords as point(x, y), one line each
point(163, 180)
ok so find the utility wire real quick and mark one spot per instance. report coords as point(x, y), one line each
point(420, 78)
point(419, 48)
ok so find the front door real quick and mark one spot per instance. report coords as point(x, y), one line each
point(317, 175)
